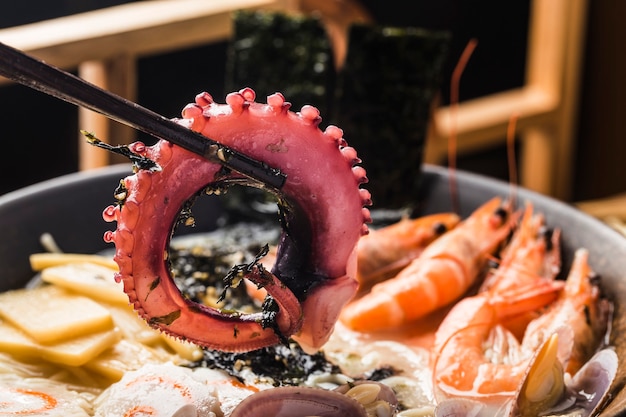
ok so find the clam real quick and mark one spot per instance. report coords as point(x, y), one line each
point(588, 390)
point(548, 391)
point(358, 399)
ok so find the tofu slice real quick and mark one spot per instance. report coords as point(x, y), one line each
point(71, 352)
point(49, 314)
point(92, 280)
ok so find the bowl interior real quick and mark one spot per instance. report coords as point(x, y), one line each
point(70, 209)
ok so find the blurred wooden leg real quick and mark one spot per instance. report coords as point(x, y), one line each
point(117, 75)
point(537, 159)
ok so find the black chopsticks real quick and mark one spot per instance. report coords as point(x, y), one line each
point(36, 74)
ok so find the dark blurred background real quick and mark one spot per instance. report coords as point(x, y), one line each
point(39, 133)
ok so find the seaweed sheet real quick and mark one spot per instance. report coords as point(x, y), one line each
point(273, 52)
point(381, 97)
point(383, 103)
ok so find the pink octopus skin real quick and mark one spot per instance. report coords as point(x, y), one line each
point(314, 276)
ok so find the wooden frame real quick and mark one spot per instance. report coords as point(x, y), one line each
point(546, 105)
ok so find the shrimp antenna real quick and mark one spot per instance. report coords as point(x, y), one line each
point(454, 106)
point(511, 160)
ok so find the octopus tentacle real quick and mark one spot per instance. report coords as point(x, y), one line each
point(322, 213)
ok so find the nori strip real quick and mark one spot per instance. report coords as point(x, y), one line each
point(283, 365)
point(200, 268)
point(272, 52)
point(381, 97)
point(384, 96)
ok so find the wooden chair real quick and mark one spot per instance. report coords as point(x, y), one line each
point(547, 103)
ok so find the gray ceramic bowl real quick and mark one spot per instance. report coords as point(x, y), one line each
point(70, 208)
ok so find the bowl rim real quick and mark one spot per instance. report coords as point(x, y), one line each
point(606, 256)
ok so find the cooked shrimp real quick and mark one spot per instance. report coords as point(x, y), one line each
point(446, 270)
point(509, 298)
point(490, 368)
point(383, 252)
point(533, 253)
point(493, 361)
point(580, 311)
point(532, 256)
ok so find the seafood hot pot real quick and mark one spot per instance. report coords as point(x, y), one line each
point(70, 209)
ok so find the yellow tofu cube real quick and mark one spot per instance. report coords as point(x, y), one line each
point(71, 352)
point(89, 279)
point(50, 314)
